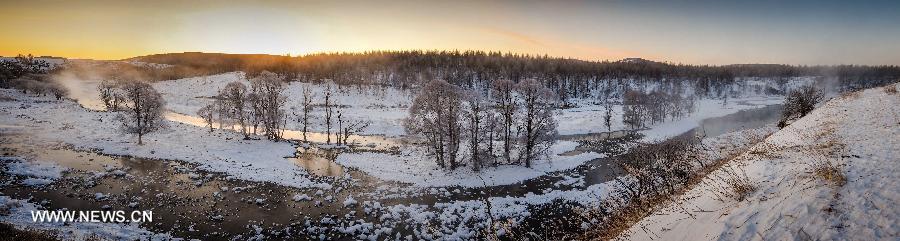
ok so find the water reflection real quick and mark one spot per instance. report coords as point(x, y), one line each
point(317, 164)
point(366, 142)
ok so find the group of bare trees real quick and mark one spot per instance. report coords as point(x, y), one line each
point(517, 115)
point(334, 121)
point(39, 84)
point(111, 95)
point(139, 105)
point(260, 105)
point(30, 75)
point(21, 65)
point(640, 109)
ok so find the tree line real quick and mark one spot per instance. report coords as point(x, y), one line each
point(568, 78)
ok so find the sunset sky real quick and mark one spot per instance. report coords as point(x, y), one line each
point(697, 32)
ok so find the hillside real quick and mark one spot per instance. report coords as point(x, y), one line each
point(795, 195)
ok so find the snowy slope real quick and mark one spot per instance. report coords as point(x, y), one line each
point(859, 132)
point(50, 123)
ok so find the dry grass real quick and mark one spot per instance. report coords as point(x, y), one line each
point(890, 89)
point(827, 171)
point(623, 214)
point(741, 188)
point(732, 183)
point(850, 95)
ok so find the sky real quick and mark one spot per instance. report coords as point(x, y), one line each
point(691, 32)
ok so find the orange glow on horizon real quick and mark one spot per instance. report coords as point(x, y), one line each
point(101, 29)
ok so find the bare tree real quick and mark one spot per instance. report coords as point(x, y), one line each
point(328, 114)
point(110, 95)
point(145, 108)
point(223, 112)
point(607, 117)
point(634, 109)
point(435, 114)
point(505, 103)
point(340, 127)
point(305, 108)
point(234, 96)
point(492, 125)
point(208, 113)
point(476, 113)
point(353, 127)
point(256, 110)
point(268, 87)
point(538, 125)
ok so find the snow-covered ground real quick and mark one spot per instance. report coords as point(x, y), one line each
point(413, 166)
point(858, 132)
point(50, 123)
point(35, 173)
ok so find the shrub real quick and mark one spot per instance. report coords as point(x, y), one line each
point(733, 185)
point(798, 103)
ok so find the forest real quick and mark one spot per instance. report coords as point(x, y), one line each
point(476, 69)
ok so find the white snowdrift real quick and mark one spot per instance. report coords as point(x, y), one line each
point(859, 132)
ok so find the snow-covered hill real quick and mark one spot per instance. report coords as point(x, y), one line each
point(859, 133)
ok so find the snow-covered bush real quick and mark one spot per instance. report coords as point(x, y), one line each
point(799, 102)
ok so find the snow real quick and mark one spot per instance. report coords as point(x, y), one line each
point(349, 201)
point(48, 121)
point(301, 197)
point(415, 167)
point(149, 65)
point(19, 215)
point(859, 132)
point(36, 181)
point(20, 166)
point(37, 173)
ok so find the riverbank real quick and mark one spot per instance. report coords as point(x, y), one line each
point(832, 175)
